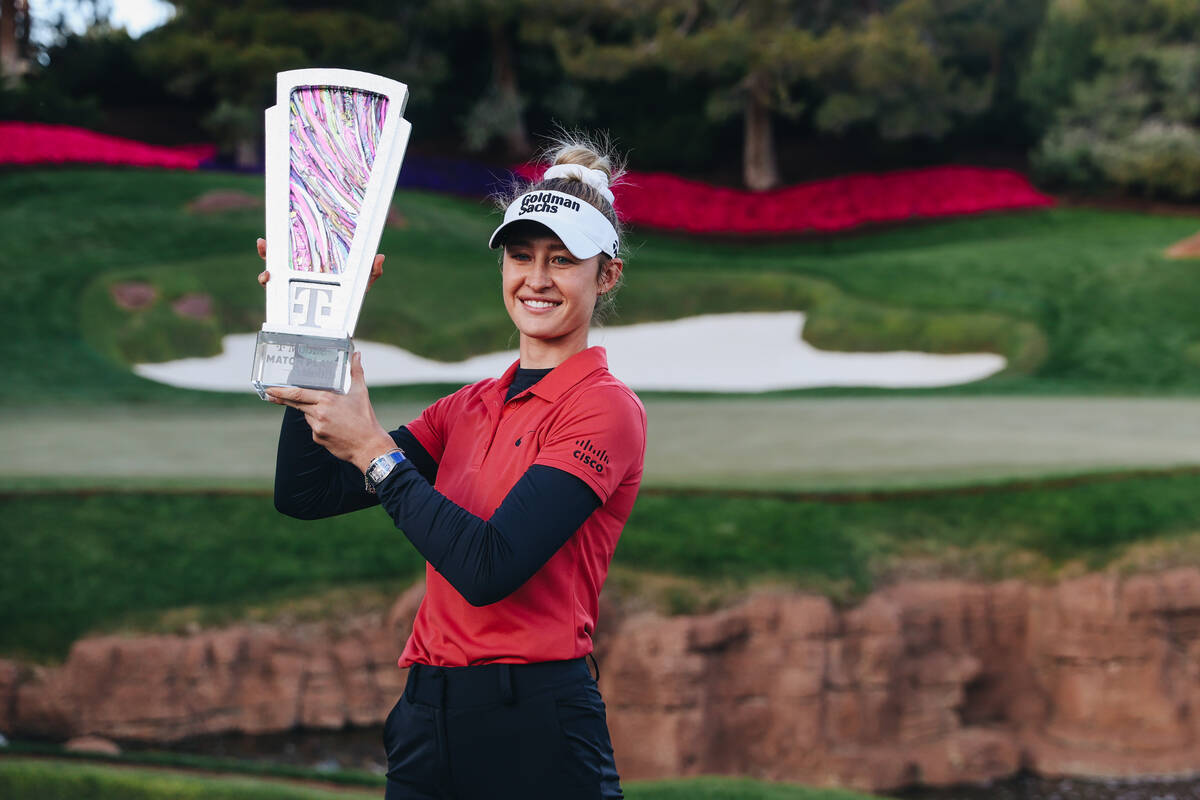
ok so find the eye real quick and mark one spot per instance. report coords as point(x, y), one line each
point(518, 255)
point(562, 261)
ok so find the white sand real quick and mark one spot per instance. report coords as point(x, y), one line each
point(746, 352)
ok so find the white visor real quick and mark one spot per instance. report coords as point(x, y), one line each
point(582, 228)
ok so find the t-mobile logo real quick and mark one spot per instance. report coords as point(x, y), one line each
point(311, 305)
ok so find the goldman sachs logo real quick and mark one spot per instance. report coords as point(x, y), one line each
point(546, 202)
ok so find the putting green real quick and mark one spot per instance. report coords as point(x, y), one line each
point(746, 443)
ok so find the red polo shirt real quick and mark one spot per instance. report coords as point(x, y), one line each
point(579, 419)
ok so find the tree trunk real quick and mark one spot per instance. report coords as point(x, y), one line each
point(24, 30)
point(10, 58)
point(504, 75)
point(246, 153)
point(760, 169)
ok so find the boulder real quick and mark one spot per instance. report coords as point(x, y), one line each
point(92, 744)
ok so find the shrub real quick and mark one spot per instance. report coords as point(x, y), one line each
point(1118, 85)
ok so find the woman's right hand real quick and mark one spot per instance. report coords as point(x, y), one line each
point(264, 276)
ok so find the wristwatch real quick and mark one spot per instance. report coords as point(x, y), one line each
point(381, 467)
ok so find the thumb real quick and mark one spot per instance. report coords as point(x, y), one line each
point(356, 370)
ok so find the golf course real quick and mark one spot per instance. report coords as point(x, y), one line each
point(1084, 445)
point(132, 505)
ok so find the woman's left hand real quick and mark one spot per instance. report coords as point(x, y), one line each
point(264, 276)
point(344, 424)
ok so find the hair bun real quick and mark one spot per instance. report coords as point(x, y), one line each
point(597, 179)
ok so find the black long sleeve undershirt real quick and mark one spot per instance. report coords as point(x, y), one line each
point(311, 484)
point(487, 560)
point(484, 560)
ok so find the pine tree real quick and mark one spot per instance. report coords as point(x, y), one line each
point(753, 50)
point(228, 54)
point(908, 68)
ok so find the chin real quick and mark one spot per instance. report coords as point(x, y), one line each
point(539, 333)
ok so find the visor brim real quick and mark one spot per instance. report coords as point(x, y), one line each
point(575, 240)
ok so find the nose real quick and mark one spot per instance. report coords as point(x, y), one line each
point(538, 276)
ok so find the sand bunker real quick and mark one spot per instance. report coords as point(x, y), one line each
point(750, 352)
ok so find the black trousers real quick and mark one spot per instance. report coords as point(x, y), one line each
point(500, 731)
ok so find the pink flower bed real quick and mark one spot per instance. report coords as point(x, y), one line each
point(658, 200)
point(25, 143)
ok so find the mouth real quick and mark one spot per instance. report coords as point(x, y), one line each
point(538, 304)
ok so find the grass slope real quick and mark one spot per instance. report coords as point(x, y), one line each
point(1079, 298)
point(80, 562)
point(26, 779)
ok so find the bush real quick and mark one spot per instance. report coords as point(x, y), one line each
point(1118, 84)
point(1067, 157)
point(1159, 157)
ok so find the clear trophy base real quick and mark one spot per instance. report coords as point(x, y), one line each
point(307, 362)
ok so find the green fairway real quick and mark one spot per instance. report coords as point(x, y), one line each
point(742, 443)
point(1077, 299)
point(29, 779)
point(36, 779)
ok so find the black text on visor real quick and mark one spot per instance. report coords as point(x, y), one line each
point(583, 229)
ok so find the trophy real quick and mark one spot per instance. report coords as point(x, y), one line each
point(326, 204)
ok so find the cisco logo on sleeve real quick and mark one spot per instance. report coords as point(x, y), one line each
point(596, 459)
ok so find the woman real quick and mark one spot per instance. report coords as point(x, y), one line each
point(515, 490)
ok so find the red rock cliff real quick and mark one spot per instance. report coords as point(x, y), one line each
point(931, 682)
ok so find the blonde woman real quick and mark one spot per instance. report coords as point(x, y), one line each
point(515, 490)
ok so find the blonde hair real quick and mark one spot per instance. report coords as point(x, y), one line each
point(573, 147)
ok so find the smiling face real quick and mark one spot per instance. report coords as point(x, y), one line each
point(550, 294)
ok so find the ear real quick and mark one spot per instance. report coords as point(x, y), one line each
point(611, 274)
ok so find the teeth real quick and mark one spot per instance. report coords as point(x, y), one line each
point(539, 303)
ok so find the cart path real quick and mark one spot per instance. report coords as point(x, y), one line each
point(767, 443)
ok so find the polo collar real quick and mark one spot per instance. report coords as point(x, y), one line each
point(562, 377)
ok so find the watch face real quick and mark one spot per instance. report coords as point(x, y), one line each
point(382, 467)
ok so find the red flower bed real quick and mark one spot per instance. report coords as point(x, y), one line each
point(658, 200)
point(653, 199)
point(27, 143)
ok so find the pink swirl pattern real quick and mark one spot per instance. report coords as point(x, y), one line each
point(334, 133)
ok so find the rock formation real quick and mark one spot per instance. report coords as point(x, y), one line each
point(935, 682)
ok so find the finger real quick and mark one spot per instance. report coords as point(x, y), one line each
point(376, 269)
point(274, 397)
point(290, 395)
point(356, 370)
point(262, 248)
point(263, 277)
point(279, 401)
